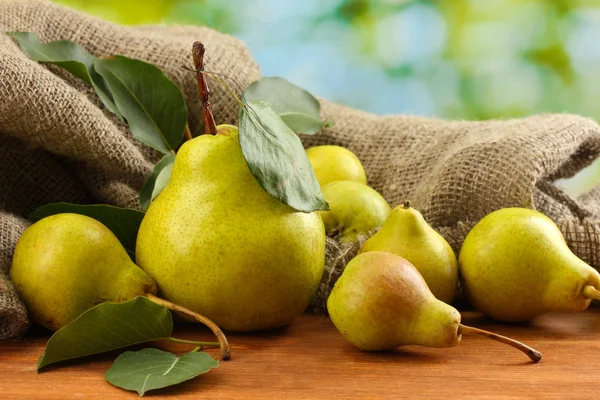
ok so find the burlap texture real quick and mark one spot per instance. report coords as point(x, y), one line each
point(58, 143)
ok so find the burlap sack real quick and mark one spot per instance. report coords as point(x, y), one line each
point(57, 142)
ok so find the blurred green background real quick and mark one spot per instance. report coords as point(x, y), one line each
point(468, 59)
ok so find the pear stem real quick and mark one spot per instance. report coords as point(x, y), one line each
point(532, 353)
point(225, 350)
point(187, 133)
point(210, 126)
point(176, 340)
point(591, 292)
point(406, 204)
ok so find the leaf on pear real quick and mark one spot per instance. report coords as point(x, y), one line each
point(158, 180)
point(277, 159)
point(299, 109)
point(108, 326)
point(150, 102)
point(151, 369)
point(70, 56)
point(123, 222)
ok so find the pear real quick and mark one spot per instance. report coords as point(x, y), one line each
point(354, 208)
point(335, 163)
point(516, 265)
point(217, 243)
point(65, 264)
point(381, 302)
point(407, 234)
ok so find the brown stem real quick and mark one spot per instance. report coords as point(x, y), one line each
point(532, 353)
point(210, 127)
point(591, 292)
point(406, 204)
point(187, 133)
point(225, 351)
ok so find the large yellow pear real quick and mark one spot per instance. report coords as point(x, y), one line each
point(65, 264)
point(217, 243)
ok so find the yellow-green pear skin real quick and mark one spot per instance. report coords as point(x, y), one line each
point(407, 234)
point(217, 243)
point(65, 264)
point(382, 302)
point(354, 208)
point(516, 265)
point(335, 163)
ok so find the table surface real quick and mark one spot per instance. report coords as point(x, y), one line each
point(311, 360)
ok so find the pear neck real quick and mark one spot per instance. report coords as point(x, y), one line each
point(569, 273)
point(591, 289)
point(407, 220)
point(591, 292)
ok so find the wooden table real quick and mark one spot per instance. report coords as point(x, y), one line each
point(311, 360)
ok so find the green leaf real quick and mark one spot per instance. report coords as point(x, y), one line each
point(70, 56)
point(299, 109)
point(277, 159)
point(123, 222)
point(150, 102)
point(158, 180)
point(303, 123)
point(150, 369)
point(108, 326)
point(283, 96)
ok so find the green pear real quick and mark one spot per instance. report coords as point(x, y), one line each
point(381, 302)
point(407, 234)
point(217, 243)
point(354, 208)
point(516, 265)
point(65, 264)
point(335, 163)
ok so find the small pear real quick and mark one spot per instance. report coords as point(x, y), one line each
point(516, 265)
point(407, 234)
point(65, 264)
point(354, 208)
point(335, 163)
point(381, 302)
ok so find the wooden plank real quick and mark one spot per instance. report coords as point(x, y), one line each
point(311, 360)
